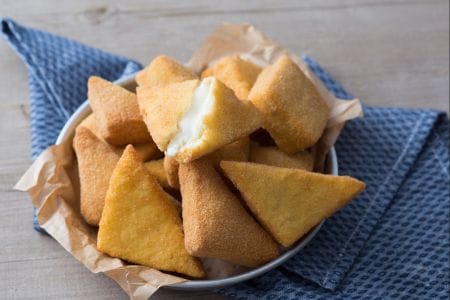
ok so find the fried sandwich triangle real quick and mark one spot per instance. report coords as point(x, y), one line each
point(190, 119)
point(289, 202)
point(140, 223)
point(236, 73)
point(294, 112)
point(96, 162)
point(163, 70)
point(117, 113)
point(215, 223)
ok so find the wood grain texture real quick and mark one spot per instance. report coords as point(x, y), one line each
point(387, 53)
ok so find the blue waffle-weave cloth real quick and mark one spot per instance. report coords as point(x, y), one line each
point(392, 242)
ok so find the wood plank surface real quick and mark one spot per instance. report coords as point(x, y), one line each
point(387, 53)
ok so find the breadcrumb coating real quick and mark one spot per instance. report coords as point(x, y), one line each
point(275, 157)
point(140, 222)
point(295, 114)
point(96, 162)
point(236, 73)
point(163, 70)
point(116, 112)
point(290, 202)
point(215, 222)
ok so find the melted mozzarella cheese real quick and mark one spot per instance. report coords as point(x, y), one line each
point(191, 125)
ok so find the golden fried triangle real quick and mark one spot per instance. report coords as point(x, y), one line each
point(215, 222)
point(147, 150)
point(163, 70)
point(295, 114)
point(190, 119)
point(236, 73)
point(140, 223)
point(96, 162)
point(117, 113)
point(289, 202)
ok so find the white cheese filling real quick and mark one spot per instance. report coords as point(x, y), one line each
point(191, 125)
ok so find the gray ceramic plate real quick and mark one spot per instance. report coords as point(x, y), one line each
point(331, 168)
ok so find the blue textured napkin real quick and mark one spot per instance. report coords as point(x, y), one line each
point(391, 242)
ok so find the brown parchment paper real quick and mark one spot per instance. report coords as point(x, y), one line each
point(53, 186)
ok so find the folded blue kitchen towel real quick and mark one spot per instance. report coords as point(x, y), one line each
point(390, 242)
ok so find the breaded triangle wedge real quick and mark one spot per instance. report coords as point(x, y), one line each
point(147, 150)
point(215, 222)
point(295, 114)
point(236, 73)
point(190, 119)
point(289, 202)
point(163, 70)
point(116, 112)
point(140, 223)
point(162, 107)
point(96, 162)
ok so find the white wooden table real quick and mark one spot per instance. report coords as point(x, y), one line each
point(387, 53)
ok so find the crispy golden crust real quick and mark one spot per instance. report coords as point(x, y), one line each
point(156, 168)
point(116, 112)
point(90, 123)
point(215, 222)
point(162, 107)
point(148, 151)
point(236, 73)
point(140, 223)
point(289, 202)
point(294, 112)
point(236, 151)
point(171, 167)
point(230, 119)
point(163, 70)
point(275, 157)
point(96, 162)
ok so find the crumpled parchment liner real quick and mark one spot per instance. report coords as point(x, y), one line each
point(53, 185)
